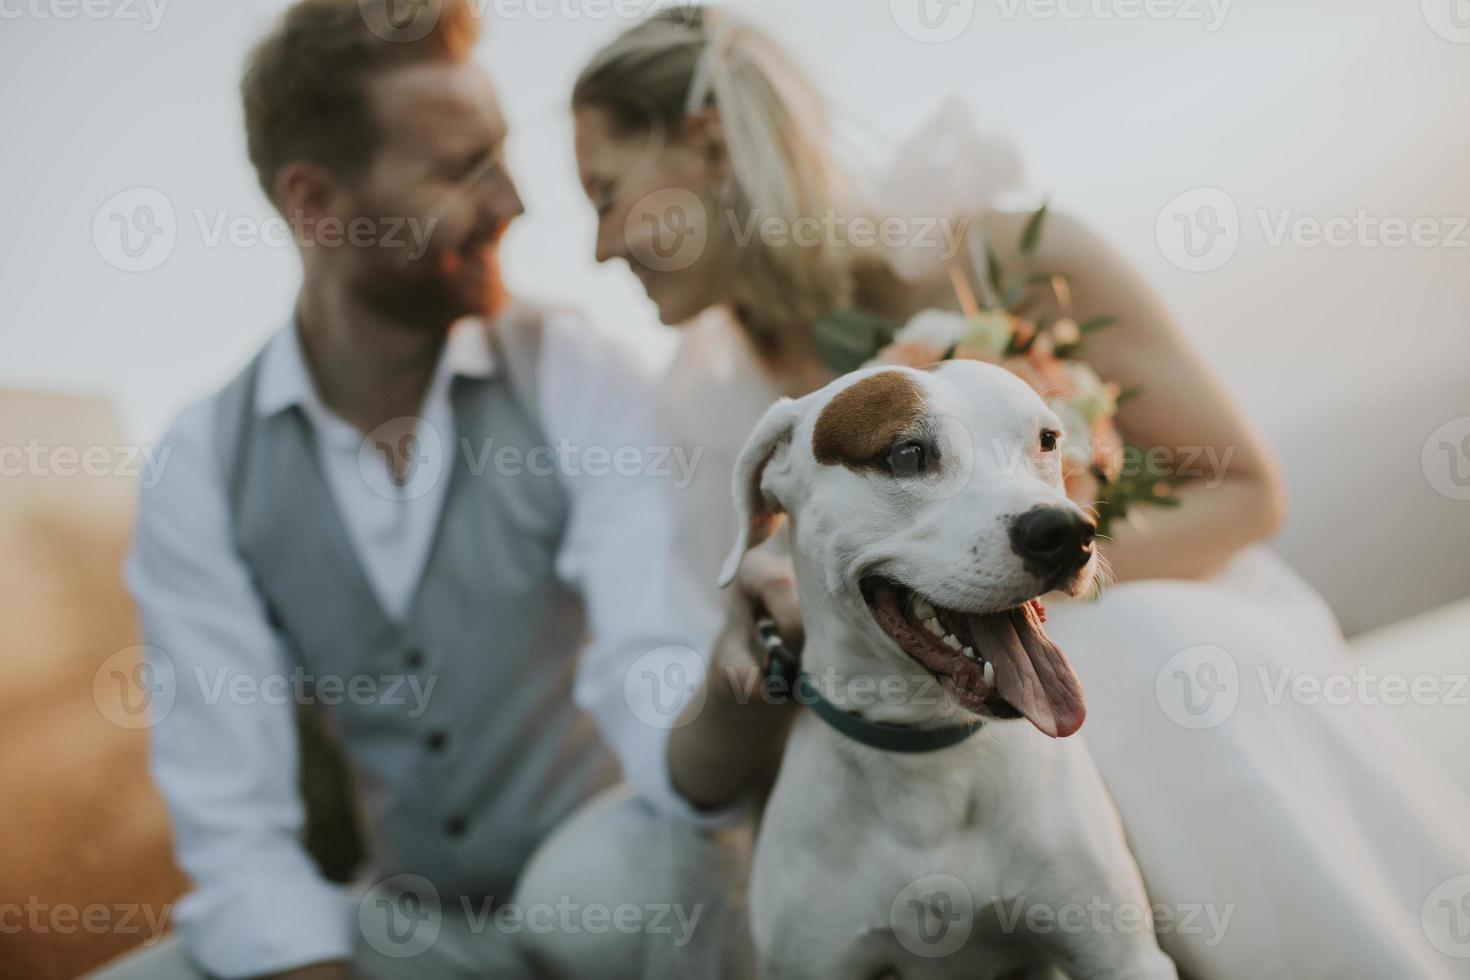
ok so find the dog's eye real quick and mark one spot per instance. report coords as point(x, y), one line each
point(1049, 440)
point(906, 459)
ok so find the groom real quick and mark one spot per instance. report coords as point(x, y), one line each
point(369, 518)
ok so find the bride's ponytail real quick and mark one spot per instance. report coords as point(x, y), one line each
point(687, 58)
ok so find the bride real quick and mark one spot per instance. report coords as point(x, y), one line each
point(1277, 839)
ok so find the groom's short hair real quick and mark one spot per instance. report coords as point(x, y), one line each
point(304, 85)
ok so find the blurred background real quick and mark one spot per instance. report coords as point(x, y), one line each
point(1291, 176)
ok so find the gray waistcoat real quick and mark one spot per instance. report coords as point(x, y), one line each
point(462, 793)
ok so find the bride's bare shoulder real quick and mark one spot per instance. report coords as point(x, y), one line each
point(1065, 241)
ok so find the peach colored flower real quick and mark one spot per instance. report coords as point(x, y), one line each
point(913, 353)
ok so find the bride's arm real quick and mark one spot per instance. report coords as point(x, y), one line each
point(1231, 497)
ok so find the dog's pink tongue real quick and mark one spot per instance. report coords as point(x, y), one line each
point(1030, 671)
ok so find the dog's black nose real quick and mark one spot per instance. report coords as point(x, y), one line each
point(1053, 540)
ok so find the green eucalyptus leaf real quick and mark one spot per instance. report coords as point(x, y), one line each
point(1031, 235)
point(993, 270)
point(847, 339)
point(1097, 323)
point(1132, 391)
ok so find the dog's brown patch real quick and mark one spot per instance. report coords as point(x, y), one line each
point(865, 418)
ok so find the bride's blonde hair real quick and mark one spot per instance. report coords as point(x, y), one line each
point(687, 58)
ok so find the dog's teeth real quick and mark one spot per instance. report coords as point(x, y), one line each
point(922, 609)
point(989, 673)
point(952, 643)
point(970, 652)
point(932, 625)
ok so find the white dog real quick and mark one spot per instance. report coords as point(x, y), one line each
point(926, 516)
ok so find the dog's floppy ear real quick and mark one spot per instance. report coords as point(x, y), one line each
point(758, 514)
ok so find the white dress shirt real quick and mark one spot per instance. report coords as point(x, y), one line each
point(227, 766)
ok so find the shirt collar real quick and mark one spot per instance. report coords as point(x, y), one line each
point(285, 380)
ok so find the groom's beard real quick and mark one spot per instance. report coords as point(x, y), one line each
point(444, 285)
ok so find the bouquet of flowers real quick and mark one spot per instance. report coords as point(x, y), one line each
point(1043, 348)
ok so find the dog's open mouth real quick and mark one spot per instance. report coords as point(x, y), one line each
point(999, 663)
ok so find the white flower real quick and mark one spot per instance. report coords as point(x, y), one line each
point(992, 330)
point(1066, 332)
point(942, 328)
point(1090, 395)
point(989, 330)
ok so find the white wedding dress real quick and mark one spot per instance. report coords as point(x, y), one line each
point(1279, 840)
